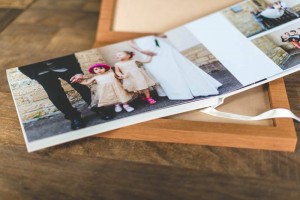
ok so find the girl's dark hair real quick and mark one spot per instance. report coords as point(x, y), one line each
point(130, 53)
point(106, 69)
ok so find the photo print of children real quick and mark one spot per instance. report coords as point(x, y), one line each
point(48, 75)
point(51, 99)
point(109, 90)
point(282, 46)
point(106, 84)
point(252, 17)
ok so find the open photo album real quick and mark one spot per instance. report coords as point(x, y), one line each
point(187, 68)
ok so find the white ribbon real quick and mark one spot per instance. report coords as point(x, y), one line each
point(273, 113)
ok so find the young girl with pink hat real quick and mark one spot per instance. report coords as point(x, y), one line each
point(134, 79)
point(109, 90)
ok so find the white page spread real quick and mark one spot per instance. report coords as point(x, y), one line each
point(240, 57)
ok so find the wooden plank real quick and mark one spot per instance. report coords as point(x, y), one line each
point(19, 4)
point(77, 177)
point(7, 16)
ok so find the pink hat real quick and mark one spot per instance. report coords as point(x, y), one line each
point(105, 66)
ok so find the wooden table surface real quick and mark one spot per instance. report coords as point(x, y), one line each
point(97, 168)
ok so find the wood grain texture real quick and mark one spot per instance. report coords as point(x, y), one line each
point(7, 15)
point(115, 179)
point(42, 32)
point(105, 34)
point(101, 168)
point(19, 4)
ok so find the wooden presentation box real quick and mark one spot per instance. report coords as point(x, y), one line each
point(121, 20)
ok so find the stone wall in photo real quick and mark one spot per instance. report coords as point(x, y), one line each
point(243, 20)
point(32, 100)
point(203, 58)
point(276, 53)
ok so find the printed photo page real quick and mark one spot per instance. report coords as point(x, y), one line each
point(102, 89)
point(187, 68)
point(254, 40)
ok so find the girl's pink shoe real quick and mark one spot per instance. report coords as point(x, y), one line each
point(150, 100)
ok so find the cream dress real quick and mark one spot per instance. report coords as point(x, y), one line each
point(108, 91)
point(137, 79)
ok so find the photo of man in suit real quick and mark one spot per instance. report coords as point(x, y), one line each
point(47, 74)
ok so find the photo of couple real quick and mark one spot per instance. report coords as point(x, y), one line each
point(108, 83)
point(292, 36)
point(282, 45)
point(274, 14)
point(255, 16)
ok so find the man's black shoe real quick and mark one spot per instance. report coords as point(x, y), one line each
point(77, 124)
point(106, 113)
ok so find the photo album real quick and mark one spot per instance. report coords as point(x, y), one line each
point(186, 68)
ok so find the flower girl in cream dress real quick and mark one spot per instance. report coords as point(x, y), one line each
point(109, 90)
point(134, 79)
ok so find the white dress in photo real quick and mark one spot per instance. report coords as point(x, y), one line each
point(179, 78)
point(272, 13)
